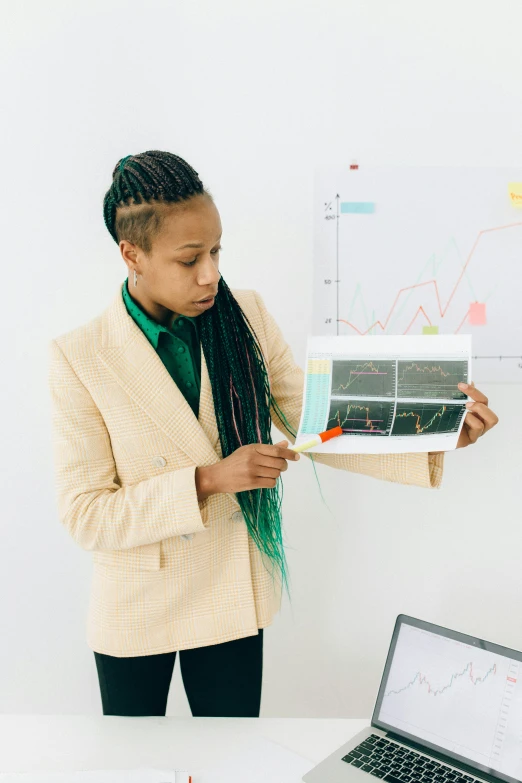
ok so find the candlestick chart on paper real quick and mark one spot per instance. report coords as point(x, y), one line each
point(372, 378)
point(361, 417)
point(426, 418)
point(402, 396)
point(430, 379)
point(422, 251)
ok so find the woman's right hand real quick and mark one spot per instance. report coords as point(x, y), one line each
point(253, 466)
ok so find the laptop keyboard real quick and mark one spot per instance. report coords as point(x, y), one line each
point(397, 764)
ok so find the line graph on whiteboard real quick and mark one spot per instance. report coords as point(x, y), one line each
point(422, 250)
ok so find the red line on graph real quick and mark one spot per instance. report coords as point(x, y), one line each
point(461, 323)
point(442, 311)
point(420, 310)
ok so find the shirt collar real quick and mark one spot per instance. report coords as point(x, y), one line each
point(149, 326)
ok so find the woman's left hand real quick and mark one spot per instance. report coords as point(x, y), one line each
point(478, 420)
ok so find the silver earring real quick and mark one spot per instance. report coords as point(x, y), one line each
point(135, 279)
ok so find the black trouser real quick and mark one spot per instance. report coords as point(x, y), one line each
point(221, 681)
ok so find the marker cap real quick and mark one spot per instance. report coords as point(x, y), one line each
point(333, 433)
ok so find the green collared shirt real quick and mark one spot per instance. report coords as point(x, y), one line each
point(179, 348)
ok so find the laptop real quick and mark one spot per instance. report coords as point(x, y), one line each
point(449, 710)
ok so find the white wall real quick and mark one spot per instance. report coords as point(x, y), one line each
point(253, 95)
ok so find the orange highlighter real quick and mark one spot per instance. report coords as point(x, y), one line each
point(318, 439)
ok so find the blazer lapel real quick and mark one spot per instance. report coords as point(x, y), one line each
point(132, 360)
point(207, 414)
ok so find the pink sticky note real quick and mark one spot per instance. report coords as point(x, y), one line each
point(477, 314)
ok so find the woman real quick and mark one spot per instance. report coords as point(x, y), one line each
point(165, 466)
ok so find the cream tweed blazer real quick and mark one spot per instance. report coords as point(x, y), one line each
point(169, 573)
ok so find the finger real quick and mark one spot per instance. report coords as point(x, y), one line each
point(484, 413)
point(474, 426)
point(262, 471)
point(277, 463)
point(266, 483)
point(276, 451)
point(474, 393)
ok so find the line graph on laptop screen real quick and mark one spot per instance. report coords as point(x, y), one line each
point(457, 696)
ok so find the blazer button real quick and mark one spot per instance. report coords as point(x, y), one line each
point(159, 462)
point(187, 536)
point(237, 516)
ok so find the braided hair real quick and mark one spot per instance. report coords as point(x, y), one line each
point(236, 366)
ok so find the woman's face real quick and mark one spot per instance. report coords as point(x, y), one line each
point(172, 278)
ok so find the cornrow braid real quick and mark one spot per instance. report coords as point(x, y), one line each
point(236, 366)
point(153, 176)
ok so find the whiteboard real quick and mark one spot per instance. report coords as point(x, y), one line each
point(422, 250)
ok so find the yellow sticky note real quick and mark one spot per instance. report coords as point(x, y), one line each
point(515, 193)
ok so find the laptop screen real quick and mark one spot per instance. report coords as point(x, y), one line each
point(454, 694)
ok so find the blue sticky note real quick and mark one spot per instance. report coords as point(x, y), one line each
point(357, 207)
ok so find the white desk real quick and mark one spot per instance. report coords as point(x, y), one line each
point(48, 743)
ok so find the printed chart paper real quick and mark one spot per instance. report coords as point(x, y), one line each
point(389, 394)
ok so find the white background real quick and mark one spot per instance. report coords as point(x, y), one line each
point(253, 96)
